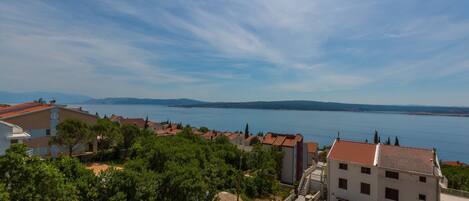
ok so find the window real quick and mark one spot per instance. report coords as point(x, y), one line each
point(47, 131)
point(343, 183)
point(14, 141)
point(392, 194)
point(392, 175)
point(365, 188)
point(343, 166)
point(422, 197)
point(366, 170)
point(423, 179)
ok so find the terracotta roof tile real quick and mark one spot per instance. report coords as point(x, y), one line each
point(406, 159)
point(22, 109)
point(356, 152)
point(282, 139)
point(139, 122)
point(312, 147)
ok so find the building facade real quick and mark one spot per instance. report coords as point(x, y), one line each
point(294, 160)
point(11, 134)
point(40, 121)
point(363, 171)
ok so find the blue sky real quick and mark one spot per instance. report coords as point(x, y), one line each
point(385, 52)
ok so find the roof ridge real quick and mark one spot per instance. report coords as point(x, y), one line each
point(408, 147)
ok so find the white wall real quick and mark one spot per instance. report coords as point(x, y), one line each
point(409, 186)
point(354, 178)
point(4, 141)
point(288, 165)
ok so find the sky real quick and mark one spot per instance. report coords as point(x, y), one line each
point(379, 52)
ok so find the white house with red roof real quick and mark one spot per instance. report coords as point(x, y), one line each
point(363, 171)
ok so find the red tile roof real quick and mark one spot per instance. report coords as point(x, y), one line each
point(312, 147)
point(406, 159)
point(356, 152)
point(285, 140)
point(454, 163)
point(139, 122)
point(23, 108)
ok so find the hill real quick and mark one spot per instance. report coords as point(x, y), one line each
point(332, 106)
point(144, 101)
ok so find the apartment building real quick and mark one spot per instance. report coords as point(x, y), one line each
point(11, 134)
point(294, 154)
point(363, 171)
point(40, 121)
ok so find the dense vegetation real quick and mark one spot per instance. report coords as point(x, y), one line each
point(458, 177)
point(183, 167)
point(331, 106)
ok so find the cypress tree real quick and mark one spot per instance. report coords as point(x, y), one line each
point(396, 141)
point(246, 131)
point(376, 138)
point(146, 123)
point(388, 141)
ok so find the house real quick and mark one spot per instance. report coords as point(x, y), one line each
point(454, 163)
point(363, 171)
point(312, 153)
point(40, 121)
point(11, 134)
point(294, 154)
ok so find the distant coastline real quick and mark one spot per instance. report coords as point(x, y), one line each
point(299, 105)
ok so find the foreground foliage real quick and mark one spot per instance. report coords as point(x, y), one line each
point(458, 177)
point(183, 167)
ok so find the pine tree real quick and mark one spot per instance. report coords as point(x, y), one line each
point(396, 141)
point(379, 139)
point(376, 138)
point(388, 141)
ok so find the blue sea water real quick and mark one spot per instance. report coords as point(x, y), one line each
point(449, 135)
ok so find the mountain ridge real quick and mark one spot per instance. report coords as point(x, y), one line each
point(334, 106)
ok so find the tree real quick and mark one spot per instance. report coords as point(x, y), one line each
point(376, 137)
point(388, 141)
point(30, 178)
point(146, 123)
point(246, 131)
point(4, 195)
point(396, 141)
point(203, 129)
point(71, 133)
point(107, 133)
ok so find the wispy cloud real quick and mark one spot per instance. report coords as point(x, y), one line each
point(216, 50)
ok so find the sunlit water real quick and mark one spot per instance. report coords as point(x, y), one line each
point(449, 135)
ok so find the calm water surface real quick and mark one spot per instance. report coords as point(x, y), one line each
point(449, 135)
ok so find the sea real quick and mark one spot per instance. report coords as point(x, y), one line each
point(447, 134)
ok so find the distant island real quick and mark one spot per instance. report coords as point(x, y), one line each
point(144, 101)
point(333, 106)
point(291, 105)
